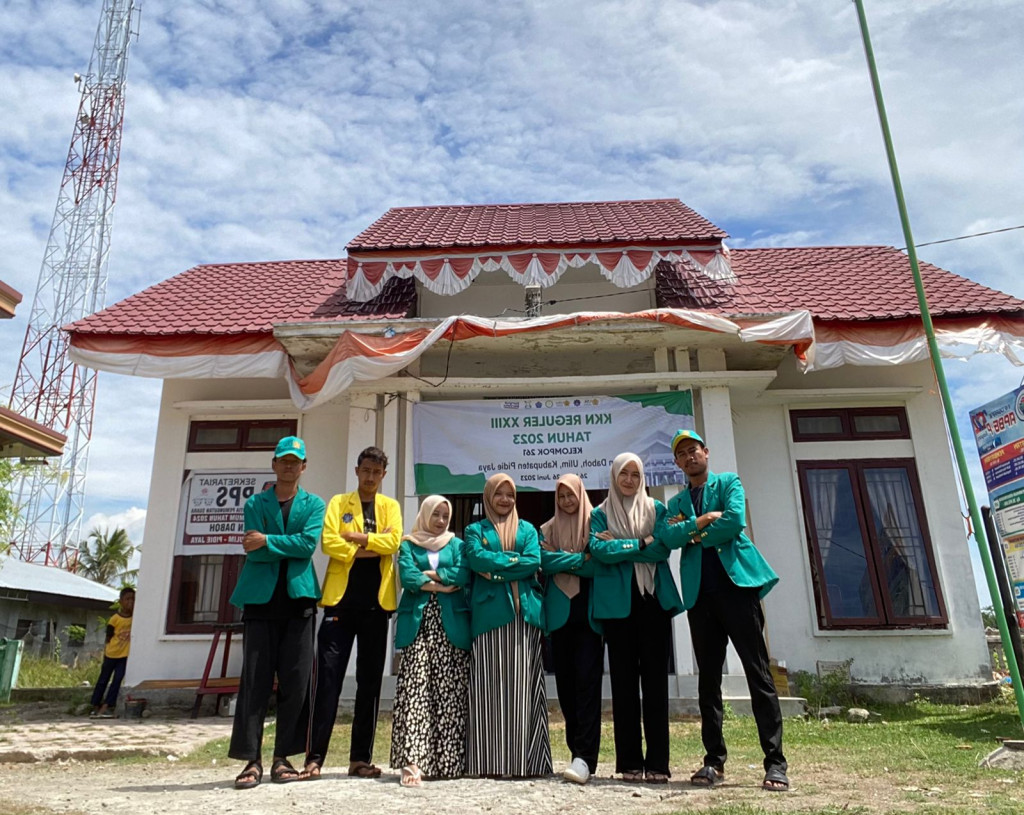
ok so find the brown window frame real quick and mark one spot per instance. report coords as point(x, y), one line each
point(887, 619)
point(244, 426)
point(226, 613)
point(849, 431)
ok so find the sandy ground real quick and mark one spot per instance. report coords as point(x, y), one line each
point(171, 788)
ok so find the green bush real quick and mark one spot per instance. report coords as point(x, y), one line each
point(833, 688)
point(75, 634)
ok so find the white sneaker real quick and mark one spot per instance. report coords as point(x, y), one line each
point(577, 772)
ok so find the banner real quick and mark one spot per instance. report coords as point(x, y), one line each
point(458, 445)
point(211, 511)
point(999, 432)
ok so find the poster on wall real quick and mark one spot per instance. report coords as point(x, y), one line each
point(211, 511)
point(459, 444)
point(999, 432)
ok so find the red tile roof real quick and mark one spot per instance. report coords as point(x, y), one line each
point(246, 298)
point(832, 282)
point(590, 223)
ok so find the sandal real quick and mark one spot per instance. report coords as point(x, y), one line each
point(363, 769)
point(707, 776)
point(633, 776)
point(311, 772)
point(249, 777)
point(656, 778)
point(411, 776)
point(775, 780)
point(282, 772)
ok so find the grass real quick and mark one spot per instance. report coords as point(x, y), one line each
point(46, 672)
point(919, 758)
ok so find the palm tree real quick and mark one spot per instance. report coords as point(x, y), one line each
point(104, 556)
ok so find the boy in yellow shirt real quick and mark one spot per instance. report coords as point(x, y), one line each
point(115, 657)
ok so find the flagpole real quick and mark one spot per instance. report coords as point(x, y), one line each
point(940, 376)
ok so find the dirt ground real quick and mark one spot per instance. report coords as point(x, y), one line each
point(37, 777)
point(171, 788)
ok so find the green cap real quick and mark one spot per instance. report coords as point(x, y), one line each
point(291, 446)
point(682, 435)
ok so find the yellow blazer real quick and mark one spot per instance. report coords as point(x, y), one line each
point(345, 514)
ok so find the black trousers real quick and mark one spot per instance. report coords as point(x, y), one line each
point(578, 655)
point(339, 630)
point(638, 658)
point(269, 647)
point(111, 671)
point(734, 613)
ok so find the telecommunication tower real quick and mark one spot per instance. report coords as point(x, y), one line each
point(48, 387)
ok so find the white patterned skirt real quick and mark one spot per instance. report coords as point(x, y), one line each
point(508, 711)
point(429, 718)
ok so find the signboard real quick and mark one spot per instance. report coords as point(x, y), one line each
point(210, 514)
point(458, 445)
point(999, 432)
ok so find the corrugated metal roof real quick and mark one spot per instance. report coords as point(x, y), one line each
point(31, 577)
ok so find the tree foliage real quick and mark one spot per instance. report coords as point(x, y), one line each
point(9, 472)
point(104, 557)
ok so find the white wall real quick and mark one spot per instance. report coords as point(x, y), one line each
point(766, 458)
point(767, 463)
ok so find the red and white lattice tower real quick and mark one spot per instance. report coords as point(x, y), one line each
point(48, 387)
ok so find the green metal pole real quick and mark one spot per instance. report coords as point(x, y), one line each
point(940, 375)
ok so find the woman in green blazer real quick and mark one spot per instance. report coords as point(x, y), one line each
point(508, 714)
point(428, 736)
point(635, 599)
point(577, 648)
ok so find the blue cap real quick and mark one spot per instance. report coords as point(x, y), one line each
point(682, 435)
point(291, 446)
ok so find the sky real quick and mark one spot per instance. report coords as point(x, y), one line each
point(279, 129)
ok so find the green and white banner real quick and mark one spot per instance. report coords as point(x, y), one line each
point(458, 445)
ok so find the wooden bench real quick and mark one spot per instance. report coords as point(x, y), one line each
point(206, 685)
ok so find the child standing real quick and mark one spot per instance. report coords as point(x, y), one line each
point(115, 657)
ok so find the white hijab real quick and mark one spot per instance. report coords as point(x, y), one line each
point(421, 534)
point(631, 516)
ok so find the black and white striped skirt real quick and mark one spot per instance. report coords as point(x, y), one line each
point(508, 711)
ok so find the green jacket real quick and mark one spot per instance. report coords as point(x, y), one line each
point(556, 604)
point(296, 544)
point(613, 574)
point(453, 571)
point(491, 600)
point(745, 566)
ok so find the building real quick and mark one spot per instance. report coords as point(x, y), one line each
point(38, 604)
point(806, 370)
point(20, 436)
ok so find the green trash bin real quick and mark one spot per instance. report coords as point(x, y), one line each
point(10, 662)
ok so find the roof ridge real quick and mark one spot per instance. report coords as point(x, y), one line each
point(543, 204)
point(266, 262)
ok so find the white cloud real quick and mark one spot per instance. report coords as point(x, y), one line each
point(270, 129)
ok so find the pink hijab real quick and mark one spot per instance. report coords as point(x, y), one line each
point(507, 526)
point(568, 533)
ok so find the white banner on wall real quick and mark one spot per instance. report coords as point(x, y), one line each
point(211, 511)
point(458, 445)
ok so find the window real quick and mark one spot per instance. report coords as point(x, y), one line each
point(238, 434)
point(849, 424)
point(871, 555)
point(200, 588)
